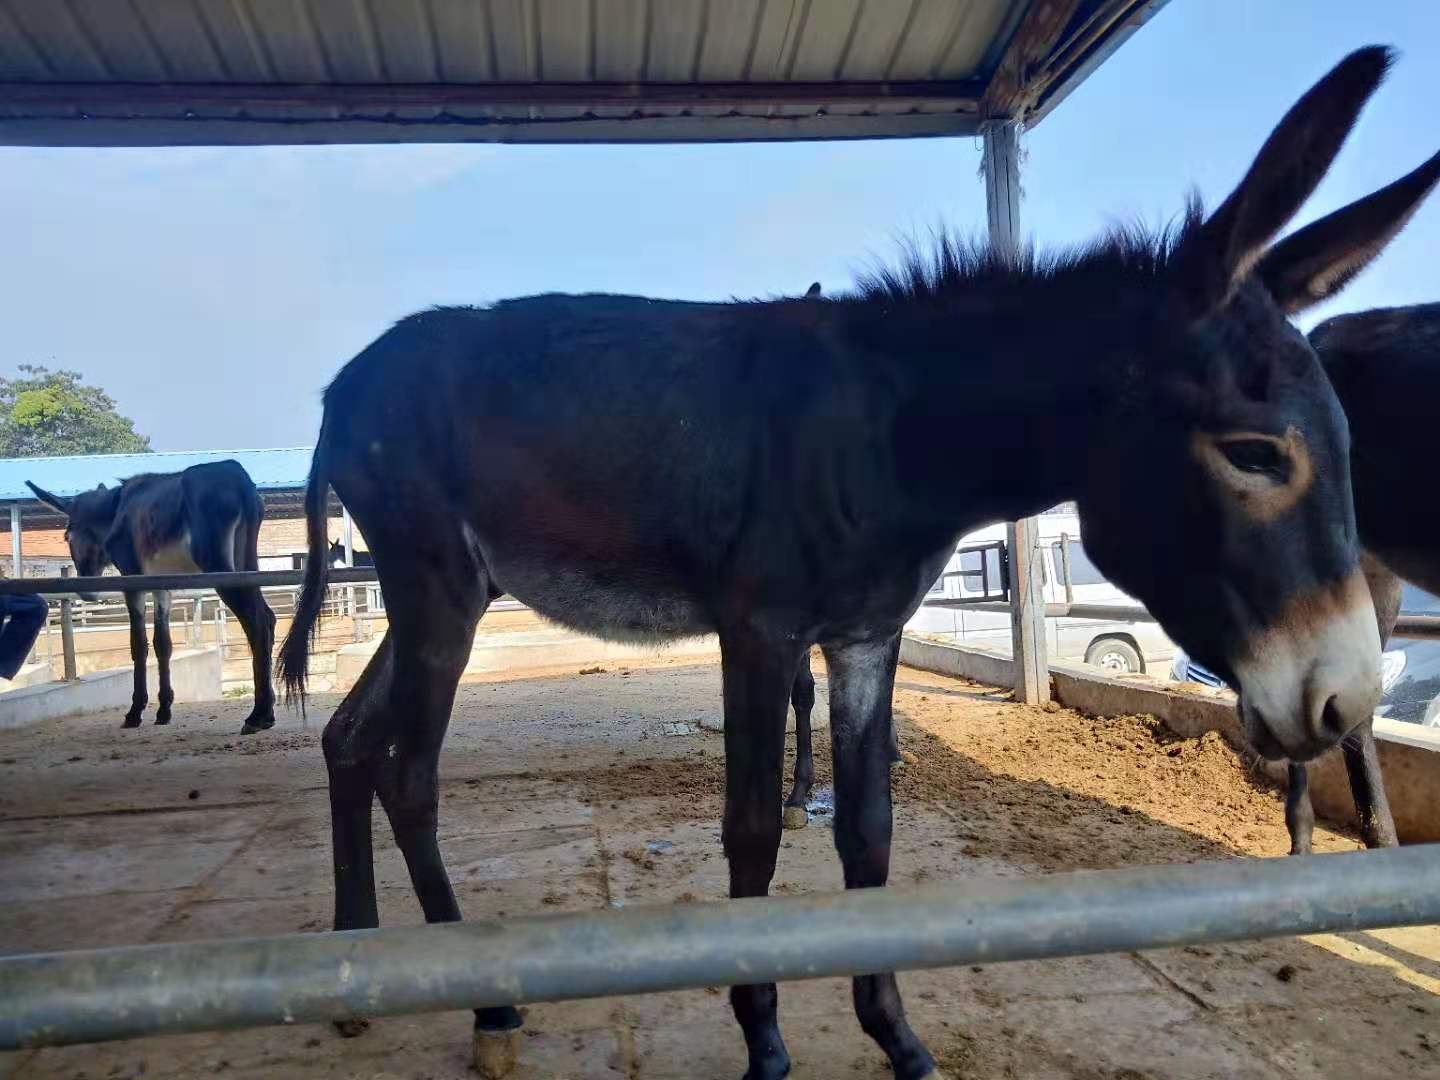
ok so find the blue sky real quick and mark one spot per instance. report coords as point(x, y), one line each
point(215, 291)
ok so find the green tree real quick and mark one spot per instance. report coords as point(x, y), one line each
point(44, 412)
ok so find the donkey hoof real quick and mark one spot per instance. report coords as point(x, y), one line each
point(161, 721)
point(252, 727)
point(771, 1069)
point(348, 1029)
point(131, 721)
point(795, 817)
point(495, 1052)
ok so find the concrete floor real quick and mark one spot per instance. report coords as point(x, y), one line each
point(566, 792)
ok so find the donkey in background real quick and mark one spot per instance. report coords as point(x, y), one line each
point(337, 555)
point(1385, 367)
point(778, 473)
point(205, 519)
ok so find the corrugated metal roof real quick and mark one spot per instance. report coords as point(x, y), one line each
point(272, 470)
point(162, 72)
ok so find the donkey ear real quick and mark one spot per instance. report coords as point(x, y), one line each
point(55, 502)
point(1216, 257)
point(813, 292)
point(1316, 262)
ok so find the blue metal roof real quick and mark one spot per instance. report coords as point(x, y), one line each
point(272, 470)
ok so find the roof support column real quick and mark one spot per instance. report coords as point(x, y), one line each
point(17, 567)
point(1027, 597)
point(356, 630)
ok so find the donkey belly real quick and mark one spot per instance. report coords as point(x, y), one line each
point(612, 607)
point(179, 556)
point(174, 558)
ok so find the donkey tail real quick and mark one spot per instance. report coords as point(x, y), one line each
point(295, 653)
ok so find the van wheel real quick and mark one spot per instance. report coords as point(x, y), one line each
point(1114, 654)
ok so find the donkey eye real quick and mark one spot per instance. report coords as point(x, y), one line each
point(1257, 456)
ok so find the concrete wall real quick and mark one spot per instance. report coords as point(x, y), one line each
point(538, 646)
point(195, 675)
point(1409, 755)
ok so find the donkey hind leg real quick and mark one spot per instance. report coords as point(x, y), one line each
point(758, 674)
point(258, 622)
point(353, 738)
point(1299, 814)
point(862, 681)
point(1372, 808)
point(139, 656)
point(262, 637)
point(164, 647)
point(802, 698)
point(390, 745)
point(222, 546)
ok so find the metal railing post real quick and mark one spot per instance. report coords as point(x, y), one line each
point(17, 559)
point(356, 630)
point(67, 633)
point(1065, 568)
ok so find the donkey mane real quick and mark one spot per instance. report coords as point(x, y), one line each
point(951, 264)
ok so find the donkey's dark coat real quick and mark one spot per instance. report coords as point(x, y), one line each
point(206, 518)
point(1385, 366)
point(780, 473)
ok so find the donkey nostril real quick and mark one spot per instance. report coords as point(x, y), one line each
point(1332, 718)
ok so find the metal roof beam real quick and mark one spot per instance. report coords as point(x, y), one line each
point(382, 96)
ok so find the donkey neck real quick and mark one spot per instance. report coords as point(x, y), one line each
point(999, 405)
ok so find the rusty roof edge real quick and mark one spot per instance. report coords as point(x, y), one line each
point(1080, 54)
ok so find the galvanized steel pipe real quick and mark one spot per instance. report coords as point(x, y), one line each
point(231, 579)
point(80, 997)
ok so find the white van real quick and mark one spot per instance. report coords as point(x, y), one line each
point(975, 572)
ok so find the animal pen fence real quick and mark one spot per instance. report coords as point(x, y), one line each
point(677, 72)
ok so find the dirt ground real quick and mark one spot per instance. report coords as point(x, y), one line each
point(568, 792)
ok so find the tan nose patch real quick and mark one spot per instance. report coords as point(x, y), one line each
point(1259, 497)
point(1306, 615)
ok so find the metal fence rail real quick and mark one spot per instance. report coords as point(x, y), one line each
point(1408, 626)
point(238, 579)
point(185, 586)
point(79, 997)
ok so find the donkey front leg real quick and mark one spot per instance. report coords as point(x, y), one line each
point(862, 681)
point(139, 656)
point(1299, 814)
point(163, 650)
point(758, 673)
point(1362, 763)
point(802, 699)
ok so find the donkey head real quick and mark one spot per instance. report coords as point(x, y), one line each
point(1224, 431)
point(90, 516)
